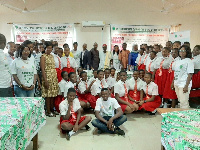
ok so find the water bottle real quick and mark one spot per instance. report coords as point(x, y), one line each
point(88, 67)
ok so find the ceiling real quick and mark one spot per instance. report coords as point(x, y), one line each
point(112, 11)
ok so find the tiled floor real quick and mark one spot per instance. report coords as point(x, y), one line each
point(142, 133)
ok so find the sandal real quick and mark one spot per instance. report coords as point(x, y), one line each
point(51, 115)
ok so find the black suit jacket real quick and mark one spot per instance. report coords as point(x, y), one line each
point(86, 59)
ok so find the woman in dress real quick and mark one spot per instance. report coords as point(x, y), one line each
point(49, 79)
point(115, 58)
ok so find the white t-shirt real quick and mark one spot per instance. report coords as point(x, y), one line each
point(5, 79)
point(146, 58)
point(10, 59)
point(110, 81)
point(24, 71)
point(62, 85)
point(32, 58)
point(152, 88)
point(153, 63)
point(106, 108)
point(96, 87)
point(90, 80)
point(67, 86)
point(63, 107)
point(131, 84)
point(138, 59)
point(159, 54)
point(166, 63)
point(196, 61)
point(77, 56)
point(119, 88)
point(72, 61)
point(181, 70)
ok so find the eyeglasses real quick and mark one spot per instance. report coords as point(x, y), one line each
point(182, 50)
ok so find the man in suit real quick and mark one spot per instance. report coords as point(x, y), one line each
point(85, 58)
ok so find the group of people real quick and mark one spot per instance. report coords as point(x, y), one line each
point(160, 75)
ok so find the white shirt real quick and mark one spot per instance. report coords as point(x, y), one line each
point(77, 56)
point(9, 58)
point(131, 84)
point(102, 57)
point(24, 71)
point(166, 63)
point(159, 54)
point(181, 70)
point(196, 61)
point(82, 86)
point(90, 80)
point(138, 59)
point(63, 107)
point(96, 87)
point(57, 61)
point(116, 62)
point(83, 52)
point(152, 88)
point(37, 60)
point(67, 86)
point(62, 85)
point(119, 88)
point(32, 58)
point(110, 82)
point(153, 63)
point(146, 58)
point(71, 60)
point(106, 108)
point(5, 79)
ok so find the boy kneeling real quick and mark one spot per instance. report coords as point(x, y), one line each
point(107, 120)
point(71, 120)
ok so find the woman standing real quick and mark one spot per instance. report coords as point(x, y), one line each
point(24, 73)
point(183, 70)
point(115, 58)
point(49, 79)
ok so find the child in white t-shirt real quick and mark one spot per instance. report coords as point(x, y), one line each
point(183, 71)
point(70, 110)
point(107, 120)
point(110, 81)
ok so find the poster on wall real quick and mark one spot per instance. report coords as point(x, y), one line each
point(183, 36)
point(62, 33)
point(138, 34)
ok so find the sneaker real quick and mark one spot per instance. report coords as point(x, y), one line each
point(119, 131)
point(152, 113)
point(87, 128)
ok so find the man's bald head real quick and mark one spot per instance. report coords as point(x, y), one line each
point(2, 41)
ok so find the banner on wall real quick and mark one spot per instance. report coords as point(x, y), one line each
point(183, 36)
point(62, 33)
point(136, 34)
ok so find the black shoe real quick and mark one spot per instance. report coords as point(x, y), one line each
point(68, 136)
point(151, 113)
point(87, 128)
point(119, 131)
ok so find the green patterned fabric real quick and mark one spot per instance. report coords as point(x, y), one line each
point(20, 121)
point(181, 130)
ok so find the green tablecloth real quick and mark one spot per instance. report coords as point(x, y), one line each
point(20, 121)
point(181, 130)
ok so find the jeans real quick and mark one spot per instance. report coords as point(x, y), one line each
point(19, 92)
point(6, 92)
point(103, 127)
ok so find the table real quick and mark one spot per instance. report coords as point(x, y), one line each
point(180, 130)
point(20, 121)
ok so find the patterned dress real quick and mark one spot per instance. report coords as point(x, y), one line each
point(51, 76)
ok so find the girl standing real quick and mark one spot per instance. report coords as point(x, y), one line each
point(115, 57)
point(183, 71)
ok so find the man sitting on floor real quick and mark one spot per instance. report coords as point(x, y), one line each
point(107, 120)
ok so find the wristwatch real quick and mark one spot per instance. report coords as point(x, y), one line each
point(20, 85)
point(145, 101)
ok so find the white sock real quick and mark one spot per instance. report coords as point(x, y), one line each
point(165, 105)
point(71, 133)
